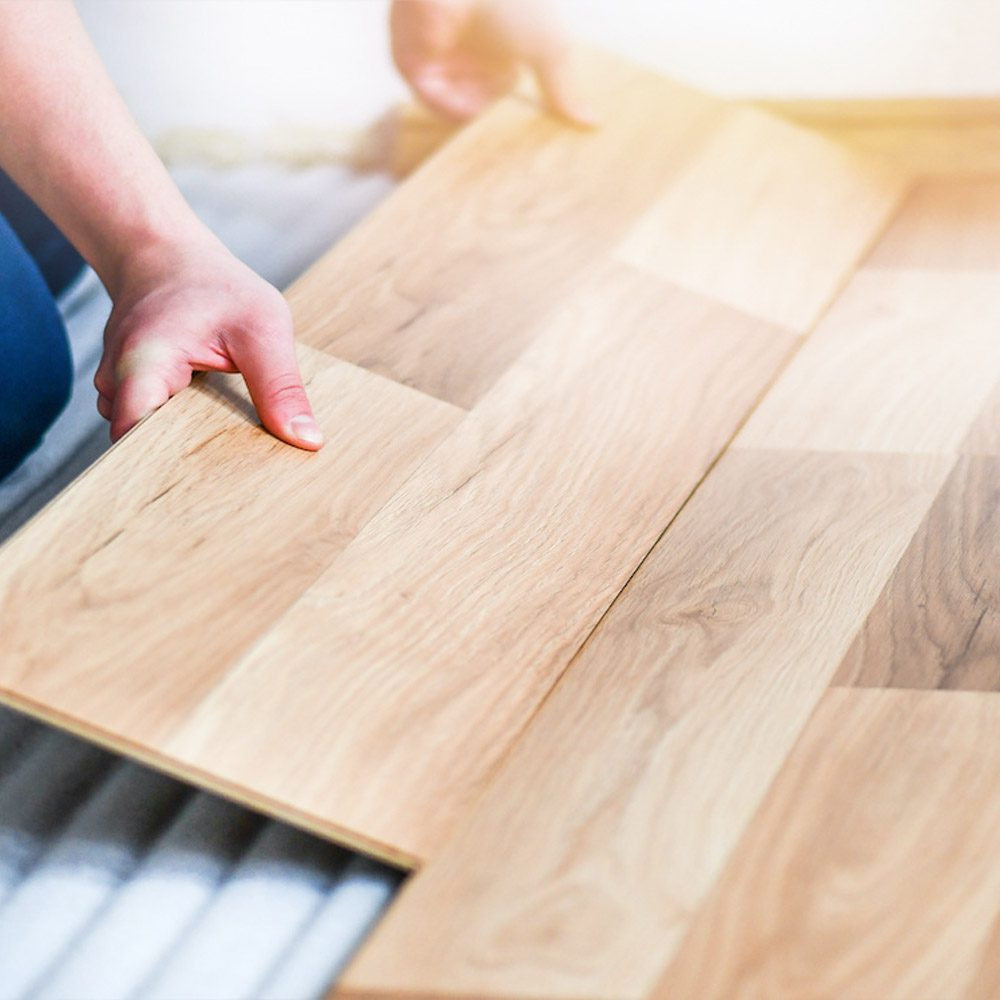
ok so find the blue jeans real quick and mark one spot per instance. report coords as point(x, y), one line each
point(36, 368)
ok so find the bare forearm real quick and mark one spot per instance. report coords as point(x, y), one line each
point(68, 140)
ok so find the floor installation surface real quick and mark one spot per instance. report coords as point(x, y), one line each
point(558, 609)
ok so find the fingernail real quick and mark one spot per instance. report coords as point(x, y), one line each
point(306, 430)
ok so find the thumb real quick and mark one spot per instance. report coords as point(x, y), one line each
point(271, 372)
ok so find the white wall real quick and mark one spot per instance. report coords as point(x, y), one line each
point(245, 64)
point(250, 65)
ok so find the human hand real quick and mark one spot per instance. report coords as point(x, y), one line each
point(459, 55)
point(182, 308)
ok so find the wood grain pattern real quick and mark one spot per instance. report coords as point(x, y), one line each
point(124, 601)
point(412, 663)
point(582, 865)
point(903, 362)
point(440, 288)
point(937, 623)
point(871, 869)
point(765, 198)
point(354, 641)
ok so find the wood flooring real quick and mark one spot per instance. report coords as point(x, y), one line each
point(772, 770)
point(643, 596)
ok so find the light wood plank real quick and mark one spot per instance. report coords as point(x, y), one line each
point(946, 223)
point(441, 286)
point(937, 623)
point(985, 983)
point(903, 362)
point(984, 434)
point(583, 864)
point(766, 217)
point(410, 666)
point(126, 599)
point(871, 870)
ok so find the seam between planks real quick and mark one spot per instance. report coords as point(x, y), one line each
point(780, 369)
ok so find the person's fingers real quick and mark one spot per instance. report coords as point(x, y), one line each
point(420, 31)
point(559, 89)
point(455, 99)
point(271, 372)
point(145, 375)
point(137, 395)
point(104, 378)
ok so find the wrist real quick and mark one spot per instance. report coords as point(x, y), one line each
point(150, 252)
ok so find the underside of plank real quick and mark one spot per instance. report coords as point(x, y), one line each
point(529, 381)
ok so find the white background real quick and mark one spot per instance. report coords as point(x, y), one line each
point(249, 65)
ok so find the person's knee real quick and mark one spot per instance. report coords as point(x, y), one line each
point(36, 369)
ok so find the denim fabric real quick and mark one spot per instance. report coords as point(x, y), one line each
point(52, 252)
point(36, 368)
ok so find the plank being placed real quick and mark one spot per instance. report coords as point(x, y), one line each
point(125, 600)
point(579, 871)
point(441, 287)
point(871, 869)
point(412, 663)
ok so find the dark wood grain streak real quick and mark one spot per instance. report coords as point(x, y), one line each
point(937, 622)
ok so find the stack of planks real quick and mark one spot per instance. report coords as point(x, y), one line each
point(641, 596)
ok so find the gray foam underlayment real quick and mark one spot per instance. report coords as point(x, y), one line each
point(116, 881)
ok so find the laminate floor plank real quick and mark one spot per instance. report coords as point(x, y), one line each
point(442, 285)
point(945, 224)
point(903, 362)
point(985, 984)
point(581, 867)
point(131, 594)
point(767, 217)
point(871, 869)
point(414, 661)
point(937, 623)
point(984, 434)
